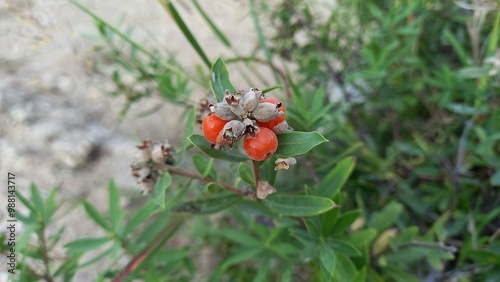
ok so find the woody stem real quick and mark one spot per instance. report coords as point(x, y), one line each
point(256, 171)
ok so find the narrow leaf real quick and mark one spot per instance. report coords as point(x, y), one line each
point(95, 215)
point(336, 178)
point(207, 206)
point(297, 143)
point(240, 237)
point(170, 8)
point(114, 205)
point(140, 216)
point(37, 198)
point(229, 155)
point(298, 205)
point(212, 26)
point(86, 244)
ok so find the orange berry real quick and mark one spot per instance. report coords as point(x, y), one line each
point(272, 123)
point(262, 146)
point(211, 126)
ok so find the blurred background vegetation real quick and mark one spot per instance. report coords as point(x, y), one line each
point(411, 89)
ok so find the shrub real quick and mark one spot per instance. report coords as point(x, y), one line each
point(404, 189)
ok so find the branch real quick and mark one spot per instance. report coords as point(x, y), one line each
point(149, 250)
point(451, 249)
point(45, 253)
point(189, 174)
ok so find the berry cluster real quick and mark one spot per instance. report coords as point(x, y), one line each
point(248, 115)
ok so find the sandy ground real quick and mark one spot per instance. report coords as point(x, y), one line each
point(58, 125)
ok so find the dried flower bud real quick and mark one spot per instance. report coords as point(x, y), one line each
point(204, 107)
point(266, 111)
point(284, 163)
point(282, 127)
point(161, 154)
point(233, 131)
point(250, 127)
point(251, 99)
point(223, 111)
point(264, 189)
point(232, 99)
point(145, 151)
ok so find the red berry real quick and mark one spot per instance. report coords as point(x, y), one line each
point(212, 125)
point(262, 146)
point(272, 123)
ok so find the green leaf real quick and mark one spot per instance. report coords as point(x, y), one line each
point(27, 203)
point(95, 215)
point(344, 268)
point(362, 237)
point(344, 221)
point(263, 272)
point(212, 26)
point(297, 143)
point(269, 89)
point(328, 258)
point(188, 130)
point(204, 166)
point(114, 205)
point(462, 109)
point(298, 205)
point(169, 7)
point(246, 173)
point(385, 218)
point(284, 249)
point(220, 80)
point(161, 187)
point(207, 206)
point(462, 54)
point(240, 237)
point(50, 204)
point(230, 155)
point(140, 216)
point(213, 188)
point(86, 244)
point(360, 276)
point(37, 198)
point(241, 256)
point(495, 179)
point(344, 247)
point(336, 178)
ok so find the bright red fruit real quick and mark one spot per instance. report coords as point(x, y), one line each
point(272, 123)
point(211, 126)
point(262, 146)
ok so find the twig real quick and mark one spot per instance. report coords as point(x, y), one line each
point(157, 242)
point(451, 249)
point(189, 174)
point(256, 171)
point(471, 225)
point(45, 256)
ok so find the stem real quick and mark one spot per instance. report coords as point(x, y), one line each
point(45, 256)
point(149, 250)
point(451, 249)
point(256, 171)
point(189, 174)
